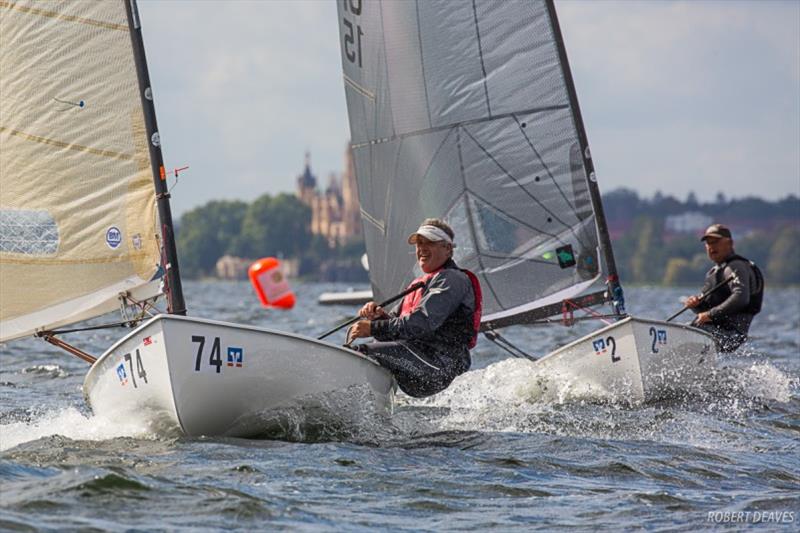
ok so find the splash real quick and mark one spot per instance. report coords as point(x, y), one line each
point(68, 422)
point(513, 396)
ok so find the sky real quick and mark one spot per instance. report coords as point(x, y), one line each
point(676, 96)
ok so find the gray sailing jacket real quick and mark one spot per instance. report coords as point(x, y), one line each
point(442, 323)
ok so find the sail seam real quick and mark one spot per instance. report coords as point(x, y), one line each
point(61, 16)
point(480, 54)
point(462, 123)
point(473, 233)
point(26, 259)
point(546, 168)
point(422, 65)
point(528, 193)
point(69, 146)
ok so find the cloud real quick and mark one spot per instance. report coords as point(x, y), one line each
point(676, 95)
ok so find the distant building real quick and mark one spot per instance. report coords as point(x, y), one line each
point(231, 267)
point(688, 222)
point(335, 212)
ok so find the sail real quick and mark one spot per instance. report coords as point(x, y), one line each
point(78, 220)
point(462, 111)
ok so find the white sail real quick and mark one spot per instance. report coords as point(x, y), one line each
point(78, 222)
point(462, 110)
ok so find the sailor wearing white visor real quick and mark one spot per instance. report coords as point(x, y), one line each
point(424, 341)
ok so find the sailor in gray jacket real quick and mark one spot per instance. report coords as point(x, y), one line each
point(424, 341)
point(728, 311)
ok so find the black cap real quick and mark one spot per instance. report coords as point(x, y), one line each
point(718, 231)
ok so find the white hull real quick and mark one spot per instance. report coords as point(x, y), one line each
point(203, 377)
point(634, 360)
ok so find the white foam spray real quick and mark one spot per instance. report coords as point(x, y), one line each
point(71, 423)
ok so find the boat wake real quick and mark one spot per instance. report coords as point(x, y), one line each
point(508, 397)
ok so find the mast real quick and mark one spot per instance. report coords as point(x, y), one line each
point(174, 290)
point(614, 287)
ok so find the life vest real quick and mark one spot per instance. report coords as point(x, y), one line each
point(756, 296)
point(412, 300)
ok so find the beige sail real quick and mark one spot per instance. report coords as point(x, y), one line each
point(78, 222)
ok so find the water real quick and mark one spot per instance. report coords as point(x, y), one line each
point(480, 455)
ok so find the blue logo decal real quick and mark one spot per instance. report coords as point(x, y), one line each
point(113, 237)
point(599, 346)
point(235, 356)
point(121, 374)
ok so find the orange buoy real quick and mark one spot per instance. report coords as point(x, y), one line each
point(270, 284)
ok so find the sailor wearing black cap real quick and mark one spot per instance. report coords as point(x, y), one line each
point(728, 311)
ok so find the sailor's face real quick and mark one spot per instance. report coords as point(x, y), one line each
point(718, 248)
point(431, 254)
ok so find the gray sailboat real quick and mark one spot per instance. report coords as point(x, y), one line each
point(467, 111)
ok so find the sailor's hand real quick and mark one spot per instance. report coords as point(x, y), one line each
point(702, 318)
point(372, 311)
point(692, 302)
point(362, 328)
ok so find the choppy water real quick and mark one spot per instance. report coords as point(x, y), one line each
point(480, 455)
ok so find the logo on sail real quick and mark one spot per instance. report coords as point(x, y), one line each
point(113, 237)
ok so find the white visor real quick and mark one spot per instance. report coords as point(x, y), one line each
point(432, 233)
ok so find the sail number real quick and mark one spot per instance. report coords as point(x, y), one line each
point(353, 32)
point(659, 337)
point(214, 363)
point(140, 371)
point(602, 346)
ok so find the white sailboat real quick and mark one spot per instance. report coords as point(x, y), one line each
point(467, 111)
point(87, 228)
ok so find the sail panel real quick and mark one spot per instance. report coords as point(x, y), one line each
point(77, 205)
point(459, 110)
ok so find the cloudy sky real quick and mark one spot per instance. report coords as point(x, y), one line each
point(677, 96)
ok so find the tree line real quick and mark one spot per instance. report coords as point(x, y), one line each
point(269, 226)
point(645, 253)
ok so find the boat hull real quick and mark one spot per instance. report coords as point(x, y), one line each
point(203, 377)
point(634, 360)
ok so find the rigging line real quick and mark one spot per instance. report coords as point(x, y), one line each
point(541, 160)
point(422, 65)
point(480, 55)
point(433, 159)
point(530, 111)
point(515, 219)
point(528, 193)
point(507, 345)
point(470, 222)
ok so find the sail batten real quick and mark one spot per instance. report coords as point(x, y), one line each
point(462, 111)
point(77, 203)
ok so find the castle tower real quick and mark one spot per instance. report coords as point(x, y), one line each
point(307, 183)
